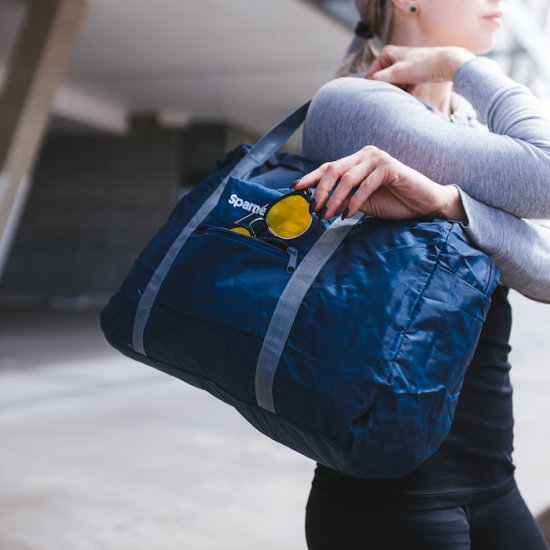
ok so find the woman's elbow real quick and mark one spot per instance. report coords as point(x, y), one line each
point(339, 119)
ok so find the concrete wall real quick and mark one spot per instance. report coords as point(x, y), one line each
point(96, 200)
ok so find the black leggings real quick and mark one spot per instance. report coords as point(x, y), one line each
point(504, 523)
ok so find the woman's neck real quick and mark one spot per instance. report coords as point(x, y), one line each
point(437, 94)
point(404, 33)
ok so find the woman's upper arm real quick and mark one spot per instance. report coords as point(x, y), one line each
point(510, 172)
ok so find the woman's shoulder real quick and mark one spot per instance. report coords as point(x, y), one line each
point(372, 95)
point(357, 81)
point(388, 96)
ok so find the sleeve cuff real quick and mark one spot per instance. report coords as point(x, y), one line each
point(484, 224)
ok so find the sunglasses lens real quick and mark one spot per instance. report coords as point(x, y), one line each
point(289, 217)
point(242, 230)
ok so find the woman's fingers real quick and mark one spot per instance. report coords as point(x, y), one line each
point(325, 178)
point(351, 179)
point(399, 73)
point(386, 58)
point(372, 183)
point(384, 187)
point(377, 65)
point(401, 65)
point(327, 170)
point(404, 65)
point(329, 179)
point(312, 178)
point(374, 67)
point(346, 174)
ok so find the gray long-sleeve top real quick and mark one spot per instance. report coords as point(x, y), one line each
point(503, 174)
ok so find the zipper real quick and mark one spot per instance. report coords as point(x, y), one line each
point(279, 248)
point(293, 260)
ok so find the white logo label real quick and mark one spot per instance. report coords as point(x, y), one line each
point(237, 202)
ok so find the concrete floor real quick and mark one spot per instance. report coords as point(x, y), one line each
point(100, 452)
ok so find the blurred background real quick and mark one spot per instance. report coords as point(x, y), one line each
point(110, 110)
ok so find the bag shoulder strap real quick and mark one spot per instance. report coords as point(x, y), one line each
point(289, 303)
point(269, 144)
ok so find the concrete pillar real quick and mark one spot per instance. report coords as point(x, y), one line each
point(33, 73)
point(97, 200)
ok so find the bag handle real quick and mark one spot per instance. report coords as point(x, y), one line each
point(286, 310)
point(270, 143)
point(258, 154)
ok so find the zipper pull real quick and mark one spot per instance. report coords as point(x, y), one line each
point(293, 260)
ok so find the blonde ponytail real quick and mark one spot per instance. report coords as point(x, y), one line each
point(376, 15)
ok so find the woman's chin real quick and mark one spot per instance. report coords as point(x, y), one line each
point(483, 46)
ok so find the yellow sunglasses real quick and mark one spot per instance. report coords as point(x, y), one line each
point(286, 217)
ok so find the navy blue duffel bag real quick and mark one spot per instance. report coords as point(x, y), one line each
point(348, 344)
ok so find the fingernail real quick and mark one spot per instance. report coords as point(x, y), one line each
point(312, 205)
point(322, 212)
point(293, 186)
point(345, 213)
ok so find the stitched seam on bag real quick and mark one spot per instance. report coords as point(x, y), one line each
point(258, 336)
point(173, 371)
point(204, 318)
point(416, 306)
point(239, 399)
point(490, 269)
point(443, 268)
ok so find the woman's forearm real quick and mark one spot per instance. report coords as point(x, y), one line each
point(508, 169)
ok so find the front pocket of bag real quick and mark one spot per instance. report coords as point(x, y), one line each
point(227, 279)
point(213, 309)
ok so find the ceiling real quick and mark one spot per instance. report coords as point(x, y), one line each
point(248, 62)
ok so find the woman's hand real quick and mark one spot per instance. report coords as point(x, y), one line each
point(384, 187)
point(409, 66)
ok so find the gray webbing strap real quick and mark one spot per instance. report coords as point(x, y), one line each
point(149, 295)
point(289, 303)
point(262, 150)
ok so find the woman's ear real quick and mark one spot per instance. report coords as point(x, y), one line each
point(406, 7)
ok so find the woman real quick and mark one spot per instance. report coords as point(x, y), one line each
point(422, 138)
